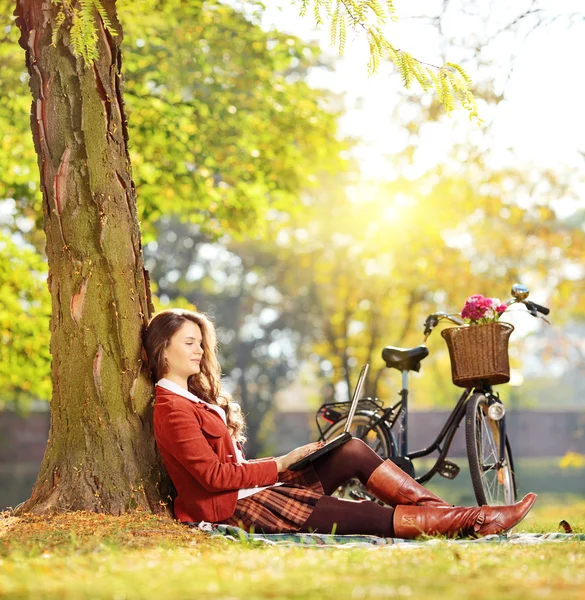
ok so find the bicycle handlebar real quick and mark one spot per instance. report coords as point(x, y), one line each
point(541, 309)
point(433, 320)
point(520, 294)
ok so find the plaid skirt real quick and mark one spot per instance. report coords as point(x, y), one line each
point(280, 509)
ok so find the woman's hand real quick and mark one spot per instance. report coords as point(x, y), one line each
point(284, 462)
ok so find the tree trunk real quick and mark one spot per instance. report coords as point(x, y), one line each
point(101, 454)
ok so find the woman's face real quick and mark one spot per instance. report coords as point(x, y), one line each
point(185, 351)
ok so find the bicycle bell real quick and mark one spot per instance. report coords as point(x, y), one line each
point(520, 292)
point(496, 411)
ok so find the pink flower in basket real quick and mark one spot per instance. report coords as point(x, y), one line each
point(479, 309)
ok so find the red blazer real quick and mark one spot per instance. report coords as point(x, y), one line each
point(199, 455)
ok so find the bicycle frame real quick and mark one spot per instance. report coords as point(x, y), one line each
point(388, 417)
point(442, 442)
point(445, 436)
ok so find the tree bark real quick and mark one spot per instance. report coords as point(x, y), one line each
point(101, 454)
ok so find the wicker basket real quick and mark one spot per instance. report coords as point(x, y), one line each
point(479, 353)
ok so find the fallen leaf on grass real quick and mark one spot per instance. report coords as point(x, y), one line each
point(6, 524)
point(566, 526)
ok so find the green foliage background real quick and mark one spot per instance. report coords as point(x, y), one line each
point(223, 129)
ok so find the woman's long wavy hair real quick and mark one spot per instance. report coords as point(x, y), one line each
point(206, 384)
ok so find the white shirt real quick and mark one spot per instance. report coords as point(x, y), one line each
point(177, 389)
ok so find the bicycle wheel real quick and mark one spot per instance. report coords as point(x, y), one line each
point(378, 438)
point(492, 484)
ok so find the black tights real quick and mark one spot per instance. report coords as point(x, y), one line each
point(352, 459)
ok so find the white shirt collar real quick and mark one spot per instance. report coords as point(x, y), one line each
point(177, 389)
point(171, 386)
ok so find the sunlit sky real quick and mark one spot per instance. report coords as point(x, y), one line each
point(540, 123)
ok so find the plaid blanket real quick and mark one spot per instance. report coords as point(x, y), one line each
point(369, 541)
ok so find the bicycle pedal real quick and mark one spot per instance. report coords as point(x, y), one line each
point(449, 470)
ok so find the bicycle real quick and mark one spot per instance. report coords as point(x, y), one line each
point(489, 450)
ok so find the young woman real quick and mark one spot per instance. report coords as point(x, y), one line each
point(199, 431)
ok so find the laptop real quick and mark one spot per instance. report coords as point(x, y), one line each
point(341, 438)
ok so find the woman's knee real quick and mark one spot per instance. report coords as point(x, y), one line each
point(359, 449)
point(357, 445)
point(363, 459)
point(353, 459)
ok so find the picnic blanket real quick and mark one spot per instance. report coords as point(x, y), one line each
point(371, 541)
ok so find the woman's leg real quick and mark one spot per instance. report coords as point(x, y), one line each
point(349, 517)
point(382, 478)
point(409, 522)
point(352, 459)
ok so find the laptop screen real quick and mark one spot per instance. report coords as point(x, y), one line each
point(356, 395)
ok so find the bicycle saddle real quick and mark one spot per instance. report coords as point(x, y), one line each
point(404, 359)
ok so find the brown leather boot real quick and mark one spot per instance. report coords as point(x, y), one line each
point(477, 521)
point(393, 486)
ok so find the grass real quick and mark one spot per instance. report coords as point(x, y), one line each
point(82, 555)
